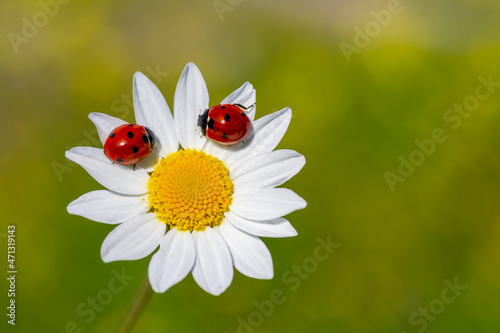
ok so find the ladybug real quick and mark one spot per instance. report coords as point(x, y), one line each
point(128, 144)
point(226, 124)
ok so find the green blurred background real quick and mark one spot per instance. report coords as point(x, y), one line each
point(353, 120)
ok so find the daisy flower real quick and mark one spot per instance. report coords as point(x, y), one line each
point(205, 205)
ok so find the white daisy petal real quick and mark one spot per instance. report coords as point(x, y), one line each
point(266, 134)
point(173, 261)
point(117, 178)
point(213, 268)
point(267, 170)
point(266, 204)
point(190, 100)
point(250, 255)
point(105, 124)
point(244, 95)
point(133, 239)
point(108, 207)
point(275, 228)
point(152, 110)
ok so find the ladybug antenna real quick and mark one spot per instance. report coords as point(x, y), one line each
point(244, 107)
point(202, 121)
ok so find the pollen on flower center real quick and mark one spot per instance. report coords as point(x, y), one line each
point(190, 190)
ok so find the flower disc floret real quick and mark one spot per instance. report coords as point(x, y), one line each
point(190, 190)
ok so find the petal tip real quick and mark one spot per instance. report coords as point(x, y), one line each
point(190, 66)
point(216, 292)
point(70, 154)
point(92, 115)
point(105, 257)
point(70, 208)
point(138, 75)
point(303, 204)
point(248, 85)
point(141, 80)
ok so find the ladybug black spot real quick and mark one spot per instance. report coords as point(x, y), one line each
point(211, 124)
point(224, 135)
point(112, 135)
point(243, 114)
point(222, 107)
point(226, 117)
point(145, 138)
point(130, 125)
point(130, 135)
point(119, 160)
point(135, 149)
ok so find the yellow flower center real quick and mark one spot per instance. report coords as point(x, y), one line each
point(190, 190)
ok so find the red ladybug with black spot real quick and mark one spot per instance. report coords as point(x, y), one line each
point(129, 144)
point(226, 124)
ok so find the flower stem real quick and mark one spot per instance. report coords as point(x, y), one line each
point(138, 304)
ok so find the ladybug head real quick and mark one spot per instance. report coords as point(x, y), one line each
point(202, 121)
point(151, 137)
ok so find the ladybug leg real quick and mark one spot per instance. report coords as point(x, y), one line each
point(133, 167)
